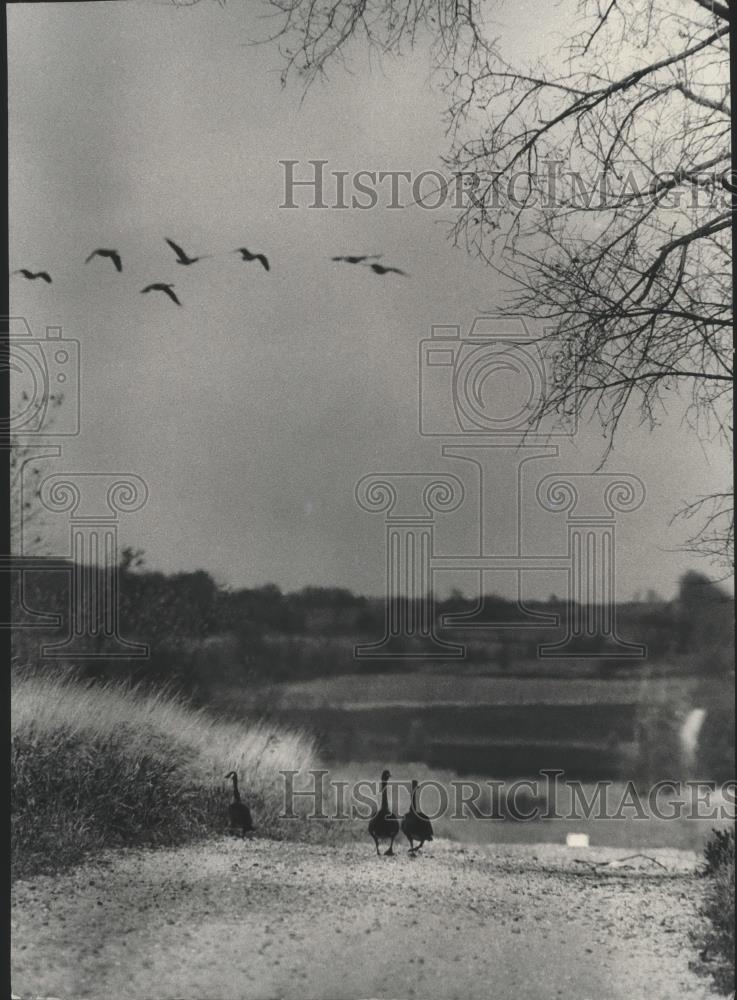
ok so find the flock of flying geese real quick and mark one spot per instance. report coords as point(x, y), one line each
point(183, 258)
point(383, 825)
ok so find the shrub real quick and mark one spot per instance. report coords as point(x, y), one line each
point(718, 851)
point(715, 937)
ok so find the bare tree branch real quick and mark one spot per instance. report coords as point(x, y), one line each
point(600, 192)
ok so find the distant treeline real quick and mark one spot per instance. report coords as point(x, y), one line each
point(202, 633)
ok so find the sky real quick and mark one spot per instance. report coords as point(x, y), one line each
point(252, 411)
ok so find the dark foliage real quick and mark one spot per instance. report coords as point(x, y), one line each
point(715, 937)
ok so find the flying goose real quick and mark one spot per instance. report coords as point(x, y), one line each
point(247, 255)
point(353, 259)
point(112, 254)
point(182, 257)
point(32, 275)
point(162, 286)
point(381, 269)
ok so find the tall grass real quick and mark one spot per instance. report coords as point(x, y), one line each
point(96, 765)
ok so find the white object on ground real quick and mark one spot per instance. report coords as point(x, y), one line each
point(689, 735)
point(577, 840)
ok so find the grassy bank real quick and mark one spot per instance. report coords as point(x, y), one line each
point(103, 765)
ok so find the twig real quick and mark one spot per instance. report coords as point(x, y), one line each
point(594, 865)
point(647, 858)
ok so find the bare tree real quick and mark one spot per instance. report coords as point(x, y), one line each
point(598, 182)
point(607, 185)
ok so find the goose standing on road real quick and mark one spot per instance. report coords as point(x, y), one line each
point(238, 811)
point(415, 824)
point(384, 825)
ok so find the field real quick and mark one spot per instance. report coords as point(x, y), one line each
point(365, 690)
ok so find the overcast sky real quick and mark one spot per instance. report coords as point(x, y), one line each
point(252, 411)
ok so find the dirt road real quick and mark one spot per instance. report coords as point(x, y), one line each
point(232, 919)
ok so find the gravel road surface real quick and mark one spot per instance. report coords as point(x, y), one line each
point(253, 920)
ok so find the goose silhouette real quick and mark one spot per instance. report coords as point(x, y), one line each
point(247, 255)
point(33, 275)
point(384, 825)
point(113, 255)
point(415, 824)
point(381, 269)
point(182, 257)
point(358, 259)
point(238, 811)
point(162, 286)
